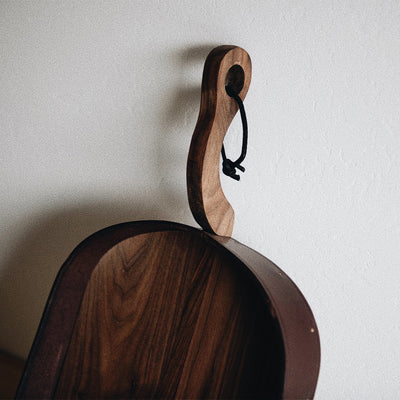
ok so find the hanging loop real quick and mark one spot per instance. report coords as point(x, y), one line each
point(229, 166)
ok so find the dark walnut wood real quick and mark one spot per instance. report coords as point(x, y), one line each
point(162, 310)
point(166, 315)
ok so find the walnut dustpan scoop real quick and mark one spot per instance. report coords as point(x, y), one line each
point(160, 310)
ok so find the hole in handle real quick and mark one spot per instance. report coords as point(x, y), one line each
point(235, 78)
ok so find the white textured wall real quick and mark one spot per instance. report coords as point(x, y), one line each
point(98, 104)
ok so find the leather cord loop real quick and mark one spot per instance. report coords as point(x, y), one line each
point(229, 166)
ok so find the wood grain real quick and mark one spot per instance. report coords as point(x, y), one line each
point(288, 321)
point(224, 65)
point(166, 315)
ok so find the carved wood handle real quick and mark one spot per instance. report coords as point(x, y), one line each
point(225, 65)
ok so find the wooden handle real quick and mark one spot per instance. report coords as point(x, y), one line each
point(225, 65)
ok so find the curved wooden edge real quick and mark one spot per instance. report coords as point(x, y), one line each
point(50, 345)
point(298, 328)
point(207, 201)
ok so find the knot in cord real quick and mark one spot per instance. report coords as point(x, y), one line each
point(229, 166)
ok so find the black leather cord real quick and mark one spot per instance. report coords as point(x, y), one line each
point(229, 166)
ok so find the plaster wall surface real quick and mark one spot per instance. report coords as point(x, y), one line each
point(98, 101)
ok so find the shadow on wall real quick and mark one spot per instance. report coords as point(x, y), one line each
point(30, 272)
point(52, 235)
point(183, 104)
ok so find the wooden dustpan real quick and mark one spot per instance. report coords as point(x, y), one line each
point(160, 310)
